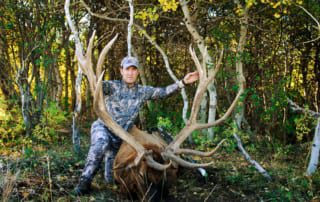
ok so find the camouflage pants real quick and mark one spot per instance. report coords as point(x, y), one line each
point(103, 144)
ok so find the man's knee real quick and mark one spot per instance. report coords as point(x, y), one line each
point(98, 149)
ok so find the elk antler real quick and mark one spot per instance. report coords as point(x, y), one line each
point(173, 149)
point(95, 82)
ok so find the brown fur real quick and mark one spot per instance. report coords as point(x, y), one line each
point(136, 180)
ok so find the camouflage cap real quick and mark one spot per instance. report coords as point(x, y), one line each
point(129, 61)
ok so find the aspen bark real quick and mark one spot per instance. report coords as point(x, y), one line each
point(212, 108)
point(76, 114)
point(58, 94)
point(315, 151)
point(77, 108)
point(129, 37)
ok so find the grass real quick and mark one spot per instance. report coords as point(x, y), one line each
point(7, 182)
point(52, 172)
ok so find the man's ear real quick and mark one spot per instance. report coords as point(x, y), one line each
point(121, 70)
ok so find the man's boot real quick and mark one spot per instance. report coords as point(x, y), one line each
point(83, 187)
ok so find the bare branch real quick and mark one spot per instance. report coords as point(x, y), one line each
point(296, 107)
point(102, 16)
point(253, 162)
point(305, 10)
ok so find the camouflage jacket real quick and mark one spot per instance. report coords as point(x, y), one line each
point(124, 103)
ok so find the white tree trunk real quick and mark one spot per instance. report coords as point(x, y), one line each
point(77, 109)
point(25, 104)
point(130, 27)
point(314, 159)
point(203, 110)
point(26, 97)
point(212, 109)
point(58, 95)
point(76, 114)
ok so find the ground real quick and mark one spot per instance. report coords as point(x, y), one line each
point(52, 172)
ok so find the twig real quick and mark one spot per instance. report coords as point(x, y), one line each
point(305, 10)
point(50, 179)
point(210, 193)
point(146, 194)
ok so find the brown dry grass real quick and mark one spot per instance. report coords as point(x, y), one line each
point(7, 184)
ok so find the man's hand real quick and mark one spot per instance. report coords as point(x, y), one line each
point(191, 77)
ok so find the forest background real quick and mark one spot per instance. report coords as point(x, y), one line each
point(39, 158)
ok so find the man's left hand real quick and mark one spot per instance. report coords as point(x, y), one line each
point(191, 77)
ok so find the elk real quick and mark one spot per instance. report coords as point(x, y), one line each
point(145, 159)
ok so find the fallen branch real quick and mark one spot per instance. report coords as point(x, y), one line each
point(248, 158)
point(296, 107)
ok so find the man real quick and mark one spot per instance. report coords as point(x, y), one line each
point(123, 101)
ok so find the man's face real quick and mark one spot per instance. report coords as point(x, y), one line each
point(129, 75)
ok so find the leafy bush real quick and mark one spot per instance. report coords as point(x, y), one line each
point(304, 125)
point(52, 119)
point(12, 128)
point(11, 125)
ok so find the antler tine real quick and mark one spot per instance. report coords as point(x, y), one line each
point(97, 97)
point(103, 54)
point(196, 103)
point(226, 114)
point(172, 156)
point(202, 87)
point(217, 68)
point(184, 163)
point(90, 72)
point(199, 153)
point(205, 61)
point(153, 164)
point(197, 62)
